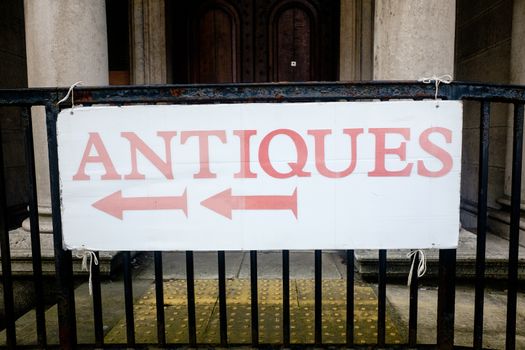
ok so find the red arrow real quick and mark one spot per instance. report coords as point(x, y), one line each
point(223, 203)
point(115, 204)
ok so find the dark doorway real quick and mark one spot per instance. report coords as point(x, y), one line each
point(117, 19)
point(227, 41)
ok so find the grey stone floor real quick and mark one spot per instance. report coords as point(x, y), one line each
point(238, 265)
point(494, 311)
point(269, 267)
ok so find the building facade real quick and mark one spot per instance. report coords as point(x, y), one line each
point(59, 42)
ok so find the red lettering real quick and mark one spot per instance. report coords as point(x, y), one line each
point(244, 138)
point(382, 151)
point(435, 151)
point(102, 157)
point(204, 152)
point(296, 169)
point(136, 144)
point(320, 156)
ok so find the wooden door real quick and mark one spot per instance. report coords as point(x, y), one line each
point(292, 44)
point(227, 41)
point(214, 51)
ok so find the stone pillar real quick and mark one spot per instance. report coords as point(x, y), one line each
point(66, 41)
point(148, 39)
point(413, 39)
point(517, 76)
point(500, 220)
point(355, 40)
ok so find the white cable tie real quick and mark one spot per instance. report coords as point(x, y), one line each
point(85, 255)
point(445, 79)
point(72, 93)
point(421, 267)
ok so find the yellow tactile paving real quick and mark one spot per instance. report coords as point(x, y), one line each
point(270, 313)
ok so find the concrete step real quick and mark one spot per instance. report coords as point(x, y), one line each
point(22, 270)
point(22, 260)
point(398, 264)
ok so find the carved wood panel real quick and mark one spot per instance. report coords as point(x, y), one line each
point(223, 41)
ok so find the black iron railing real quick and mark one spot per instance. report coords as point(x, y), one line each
point(240, 93)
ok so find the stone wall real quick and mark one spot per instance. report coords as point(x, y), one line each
point(483, 44)
point(13, 74)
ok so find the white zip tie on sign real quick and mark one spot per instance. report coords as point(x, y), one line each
point(445, 79)
point(72, 93)
point(85, 255)
point(421, 267)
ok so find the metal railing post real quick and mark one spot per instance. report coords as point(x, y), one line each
point(63, 260)
point(446, 299)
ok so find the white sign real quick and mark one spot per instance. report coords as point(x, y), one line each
point(341, 175)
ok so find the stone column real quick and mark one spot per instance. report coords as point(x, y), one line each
point(66, 41)
point(355, 40)
point(517, 76)
point(413, 39)
point(500, 220)
point(148, 39)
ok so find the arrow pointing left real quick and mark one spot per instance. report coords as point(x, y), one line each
point(115, 204)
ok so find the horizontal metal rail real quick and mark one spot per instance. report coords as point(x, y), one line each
point(267, 92)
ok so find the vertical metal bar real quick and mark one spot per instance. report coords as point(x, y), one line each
point(35, 231)
point(318, 298)
point(254, 298)
point(190, 285)
point(349, 298)
point(97, 304)
point(517, 150)
point(7, 277)
point(412, 318)
point(159, 297)
point(286, 298)
point(67, 328)
point(222, 298)
point(381, 299)
point(483, 177)
point(128, 300)
point(446, 299)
